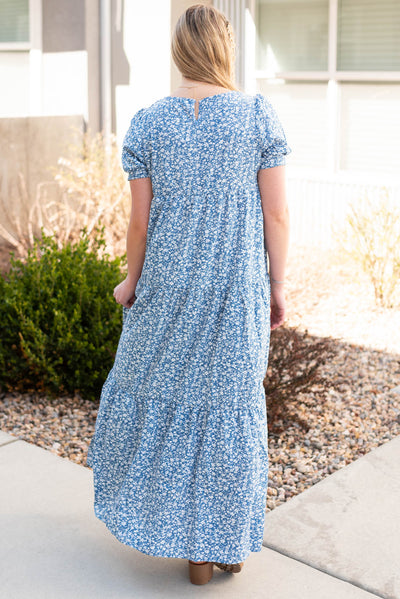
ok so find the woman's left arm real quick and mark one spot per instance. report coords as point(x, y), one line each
point(142, 194)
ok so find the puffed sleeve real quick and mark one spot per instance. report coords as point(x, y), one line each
point(273, 144)
point(135, 150)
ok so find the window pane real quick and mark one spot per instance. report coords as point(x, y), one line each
point(14, 21)
point(292, 35)
point(369, 35)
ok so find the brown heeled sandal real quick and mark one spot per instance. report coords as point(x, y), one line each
point(200, 573)
point(229, 567)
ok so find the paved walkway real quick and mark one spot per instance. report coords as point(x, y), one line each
point(339, 539)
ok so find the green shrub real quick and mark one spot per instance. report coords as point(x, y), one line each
point(59, 322)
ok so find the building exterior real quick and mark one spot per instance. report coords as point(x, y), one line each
point(330, 67)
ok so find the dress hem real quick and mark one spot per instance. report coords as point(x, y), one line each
point(175, 554)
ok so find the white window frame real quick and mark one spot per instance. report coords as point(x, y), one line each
point(35, 31)
point(333, 78)
point(331, 74)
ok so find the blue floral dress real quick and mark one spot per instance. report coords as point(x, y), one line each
point(180, 452)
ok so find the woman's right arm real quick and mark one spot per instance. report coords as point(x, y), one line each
point(272, 185)
point(142, 194)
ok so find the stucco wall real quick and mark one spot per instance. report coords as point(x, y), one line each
point(30, 148)
point(63, 25)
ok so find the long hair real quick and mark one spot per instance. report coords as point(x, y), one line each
point(203, 46)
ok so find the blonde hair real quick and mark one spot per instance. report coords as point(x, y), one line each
point(203, 46)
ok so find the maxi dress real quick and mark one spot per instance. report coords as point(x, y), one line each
point(180, 449)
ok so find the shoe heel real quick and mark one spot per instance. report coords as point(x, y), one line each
point(200, 573)
point(230, 567)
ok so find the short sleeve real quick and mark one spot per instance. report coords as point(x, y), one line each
point(135, 154)
point(273, 144)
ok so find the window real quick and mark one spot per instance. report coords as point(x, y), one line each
point(14, 21)
point(328, 39)
point(332, 69)
point(292, 35)
point(368, 35)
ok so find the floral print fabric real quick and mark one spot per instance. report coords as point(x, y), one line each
point(180, 452)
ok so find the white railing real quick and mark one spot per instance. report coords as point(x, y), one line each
point(318, 203)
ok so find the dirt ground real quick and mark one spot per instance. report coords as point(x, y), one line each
point(330, 297)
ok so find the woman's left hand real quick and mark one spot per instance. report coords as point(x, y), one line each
point(124, 293)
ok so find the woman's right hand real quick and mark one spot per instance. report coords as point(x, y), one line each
point(124, 293)
point(278, 305)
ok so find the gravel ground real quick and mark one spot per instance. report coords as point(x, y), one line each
point(334, 425)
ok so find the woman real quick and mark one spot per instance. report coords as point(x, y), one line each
point(179, 455)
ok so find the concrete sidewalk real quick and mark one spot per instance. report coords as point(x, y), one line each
point(337, 540)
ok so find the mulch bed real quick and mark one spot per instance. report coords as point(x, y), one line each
point(350, 406)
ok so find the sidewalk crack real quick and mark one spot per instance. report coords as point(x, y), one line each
point(354, 583)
